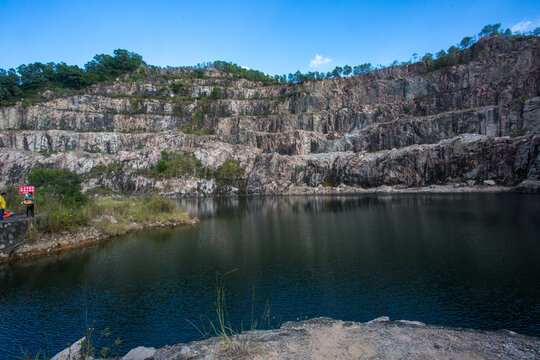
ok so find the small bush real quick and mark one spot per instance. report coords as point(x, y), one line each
point(175, 165)
point(175, 87)
point(190, 130)
point(229, 170)
point(158, 205)
point(519, 132)
point(216, 93)
point(60, 184)
point(59, 216)
point(102, 169)
point(101, 190)
point(165, 155)
point(162, 166)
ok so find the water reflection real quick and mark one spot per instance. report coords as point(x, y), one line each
point(459, 260)
point(206, 207)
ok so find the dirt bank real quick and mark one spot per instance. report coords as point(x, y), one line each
point(46, 244)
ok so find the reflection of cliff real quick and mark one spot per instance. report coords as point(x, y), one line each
point(447, 259)
point(310, 205)
point(399, 126)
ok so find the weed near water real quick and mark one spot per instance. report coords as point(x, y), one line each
point(86, 348)
point(236, 343)
point(59, 196)
point(113, 216)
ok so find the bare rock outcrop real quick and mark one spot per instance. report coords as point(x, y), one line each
point(405, 126)
point(324, 338)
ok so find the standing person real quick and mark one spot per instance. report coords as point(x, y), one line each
point(2, 205)
point(29, 202)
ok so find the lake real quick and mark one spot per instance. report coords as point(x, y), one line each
point(461, 260)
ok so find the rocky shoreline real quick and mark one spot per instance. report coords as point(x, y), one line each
point(325, 338)
point(528, 186)
point(48, 244)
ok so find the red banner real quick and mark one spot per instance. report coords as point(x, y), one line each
point(26, 189)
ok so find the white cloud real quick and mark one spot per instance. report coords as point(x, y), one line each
point(521, 26)
point(525, 25)
point(245, 67)
point(318, 61)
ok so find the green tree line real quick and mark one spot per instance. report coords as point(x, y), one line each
point(28, 80)
point(440, 59)
point(444, 58)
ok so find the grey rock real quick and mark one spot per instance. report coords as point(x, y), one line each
point(528, 186)
point(392, 128)
point(531, 114)
point(325, 338)
point(379, 320)
point(71, 353)
point(140, 353)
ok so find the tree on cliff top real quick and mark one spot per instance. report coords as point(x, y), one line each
point(29, 79)
point(104, 67)
point(466, 42)
point(490, 30)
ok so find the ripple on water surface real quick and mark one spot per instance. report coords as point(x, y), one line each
point(455, 260)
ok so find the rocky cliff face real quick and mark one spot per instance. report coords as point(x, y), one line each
point(403, 126)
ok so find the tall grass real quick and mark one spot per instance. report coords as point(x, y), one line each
point(110, 216)
point(237, 343)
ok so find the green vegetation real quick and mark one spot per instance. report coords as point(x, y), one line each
point(216, 93)
point(176, 165)
point(518, 132)
point(102, 169)
point(243, 73)
point(180, 88)
point(88, 349)
point(173, 165)
point(229, 170)
point(101, 190)
point(461, 53)
point(196, 122)
point(114, 216)
point(27, 80)
point(13, 200)
point(456, 54)
point(61, 185)
point(292, 94)
point(237, 343)
point(236, 72)
point(338, 71)
point(58, 194)
point(87, 346)
point(194, 131)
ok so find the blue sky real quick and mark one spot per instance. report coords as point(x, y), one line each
point(276, 37)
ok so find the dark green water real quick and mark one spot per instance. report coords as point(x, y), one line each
point(455, 260)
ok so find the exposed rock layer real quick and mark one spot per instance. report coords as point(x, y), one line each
point(403, 126)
